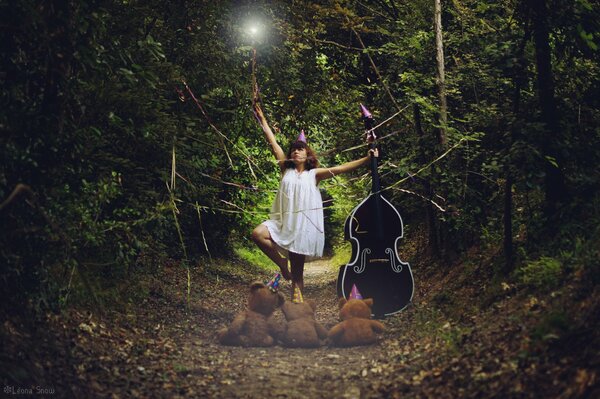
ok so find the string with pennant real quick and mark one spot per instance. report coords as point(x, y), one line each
point(273, 285)
point(297, 296)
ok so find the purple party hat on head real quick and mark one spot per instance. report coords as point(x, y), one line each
point(301, 137)
point(274, 283)
point(365, 112)
point(297, 296)
point(355, 294)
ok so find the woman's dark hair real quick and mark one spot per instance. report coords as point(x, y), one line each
point(311, 158)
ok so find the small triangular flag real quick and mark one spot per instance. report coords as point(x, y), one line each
point(365, 112)
point(297, 296)
point(274, 283)
point(355, 294)
point(301, 137)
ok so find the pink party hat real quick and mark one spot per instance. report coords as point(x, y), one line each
point(301, 137)
point(355, 294)
point(274, 283)
point(365, 112)
point(297, 296)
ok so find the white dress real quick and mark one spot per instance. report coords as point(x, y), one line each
point(296, 219)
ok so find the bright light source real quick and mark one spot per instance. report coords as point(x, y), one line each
point(255, 30)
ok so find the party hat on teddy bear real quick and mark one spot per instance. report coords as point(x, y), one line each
point(355, 293)
point(297, 296)
point(301, 137)
point(274, 283)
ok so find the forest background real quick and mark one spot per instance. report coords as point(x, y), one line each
point(128, 140)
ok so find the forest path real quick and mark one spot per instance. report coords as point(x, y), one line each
point(437, 348)
point(163, 350)
point(280, 372)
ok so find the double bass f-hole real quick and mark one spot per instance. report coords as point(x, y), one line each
point(395, 267)
point(363, 261)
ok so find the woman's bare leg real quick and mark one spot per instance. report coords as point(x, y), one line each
point(262, 238)
point(297, 264)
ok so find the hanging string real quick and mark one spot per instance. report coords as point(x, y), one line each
point(387, 120)
point(385, 86)
point(201, 108)
point(202, 230)
point(422, 197)
point(223, 136)
point(359, 178)
point(245, 211)
point(237, 185)
point(250, 160)
point(411, 176)
point(390, 187)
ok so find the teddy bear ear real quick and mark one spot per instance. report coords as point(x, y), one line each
point(369, 302)
point(342, 302)
point(312, 304)
point(256, 285)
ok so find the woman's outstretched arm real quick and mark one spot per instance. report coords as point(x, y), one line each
point(270, 136)
point(327, 173)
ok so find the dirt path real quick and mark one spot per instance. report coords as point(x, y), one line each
point(437, 348)
point(302, 373)
point(169, 352)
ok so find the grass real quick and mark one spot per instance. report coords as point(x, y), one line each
point(341, 255)
point(255, 257)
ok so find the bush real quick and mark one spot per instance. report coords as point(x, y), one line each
point(542, 273)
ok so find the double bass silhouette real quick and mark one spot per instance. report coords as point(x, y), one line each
point(374, 228)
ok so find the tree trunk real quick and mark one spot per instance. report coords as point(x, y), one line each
point(519, 81)
point(432, 236)
point(555, 190)
point(440, 78)
point(441, 236)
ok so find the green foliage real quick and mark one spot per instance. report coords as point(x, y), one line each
point(342, 255)
point(95, 105)
point(254, 256)
point(551, 327)
point(545, 273)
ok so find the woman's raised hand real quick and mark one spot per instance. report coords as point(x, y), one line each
point(374, 152)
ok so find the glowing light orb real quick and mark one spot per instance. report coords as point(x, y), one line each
point(254, 30)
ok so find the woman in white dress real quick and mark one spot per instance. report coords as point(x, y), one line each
point(295, 226)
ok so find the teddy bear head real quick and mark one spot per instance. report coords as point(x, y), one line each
point(295, 311)
point(263, 300)
point(355, 308)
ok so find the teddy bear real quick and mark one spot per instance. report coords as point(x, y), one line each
point(252, 326)
point(356, 327)
point(300, 329)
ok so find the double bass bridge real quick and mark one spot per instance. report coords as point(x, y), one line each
point(396, 266)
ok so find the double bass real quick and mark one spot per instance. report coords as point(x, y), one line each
point(374, 228)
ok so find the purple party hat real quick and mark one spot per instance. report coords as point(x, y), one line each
point(274, 283)
point(301, 137)
point(365, 112)
point(355, 294)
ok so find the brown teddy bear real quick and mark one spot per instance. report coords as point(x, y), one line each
point(252, 327)
point(356, 327)
point(300, 329)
